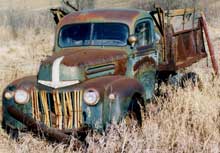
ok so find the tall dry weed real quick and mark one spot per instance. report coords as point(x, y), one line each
point(188, 120)
point(185, 121)
point(26, 38)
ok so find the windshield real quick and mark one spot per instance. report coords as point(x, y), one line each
point(93, 34)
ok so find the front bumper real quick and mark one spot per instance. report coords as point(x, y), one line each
point(40, 128)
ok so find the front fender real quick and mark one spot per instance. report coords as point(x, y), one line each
point(25, 83)
point(122, 87)
point(122, 91)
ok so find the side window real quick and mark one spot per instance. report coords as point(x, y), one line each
point(143, 34)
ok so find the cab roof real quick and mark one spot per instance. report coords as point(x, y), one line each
point(126, 16)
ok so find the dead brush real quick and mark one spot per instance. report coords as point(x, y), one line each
point(187, 122)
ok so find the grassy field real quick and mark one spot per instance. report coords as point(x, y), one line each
point(186, 121)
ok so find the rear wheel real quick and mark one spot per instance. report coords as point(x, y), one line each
point(180, 80)
point(193, 78)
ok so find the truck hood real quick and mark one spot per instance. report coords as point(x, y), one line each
point(85, 57)
point(72, 66)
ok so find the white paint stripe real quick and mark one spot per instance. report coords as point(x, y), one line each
point(56, 83)
point(56, 70)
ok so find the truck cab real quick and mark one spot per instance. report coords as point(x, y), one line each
point(126, 36)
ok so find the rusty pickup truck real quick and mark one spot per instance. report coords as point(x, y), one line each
point(104, 67)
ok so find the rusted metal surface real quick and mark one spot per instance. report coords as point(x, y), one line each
point(60, 136)
point(88, 56)
point(121, 67)
point(37, 127)
point(122, 16)
point(179, 12)
point(211, 48)
point(182, 45)
point(183, 48)
point(146, 61)
point(25, 83)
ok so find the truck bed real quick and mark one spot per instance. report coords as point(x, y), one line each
point(182, 41)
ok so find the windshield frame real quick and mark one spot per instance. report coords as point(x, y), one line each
point(58, 35)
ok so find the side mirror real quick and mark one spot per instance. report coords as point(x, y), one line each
point(132, 40)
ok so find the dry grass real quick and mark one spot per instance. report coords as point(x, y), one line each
point(186, 121)
point(25, 40)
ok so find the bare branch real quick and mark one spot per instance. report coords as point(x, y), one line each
point(67, 3)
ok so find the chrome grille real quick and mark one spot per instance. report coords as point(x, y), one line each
point(56, 109)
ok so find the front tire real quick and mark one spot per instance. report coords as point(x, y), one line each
point(13, 133)
point(135, 111)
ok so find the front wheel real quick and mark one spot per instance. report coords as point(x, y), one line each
point(13, 133)
point(135, 111)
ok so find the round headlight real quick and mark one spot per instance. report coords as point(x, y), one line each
point(21, 97)
point(8, 95)
point(91, 97)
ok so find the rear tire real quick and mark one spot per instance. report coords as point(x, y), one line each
point(193, 78)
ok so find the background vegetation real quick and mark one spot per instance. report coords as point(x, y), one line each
point(186, 121)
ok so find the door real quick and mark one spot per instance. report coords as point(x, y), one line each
point(145, 56)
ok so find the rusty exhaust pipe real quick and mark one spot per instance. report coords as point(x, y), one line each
point(210, 46)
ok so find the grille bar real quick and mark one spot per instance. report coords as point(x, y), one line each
point(58, 110)
point(35, 105)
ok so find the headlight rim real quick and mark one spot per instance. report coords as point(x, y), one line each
point(97, 95)
point(12, 94)
point(27, 98)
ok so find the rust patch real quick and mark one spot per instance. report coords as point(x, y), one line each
point(183, 48)
point(146, 61)
point(26, 83)
point(123, 16)
point(121, 67)
point(85, 57)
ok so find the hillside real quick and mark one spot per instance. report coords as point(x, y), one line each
point(40, 4)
